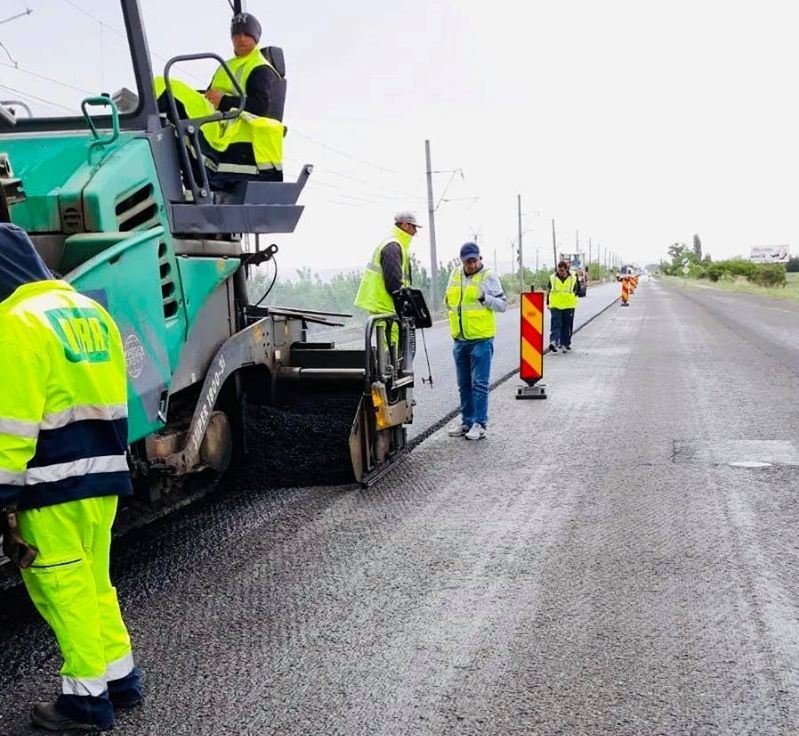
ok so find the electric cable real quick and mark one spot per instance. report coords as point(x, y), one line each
point(46, 78)
point(271, 285)
point(38, 99)
point(429, 378)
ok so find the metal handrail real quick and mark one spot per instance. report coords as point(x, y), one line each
point(191, 127)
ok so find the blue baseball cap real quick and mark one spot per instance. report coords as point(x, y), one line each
point(469, 250)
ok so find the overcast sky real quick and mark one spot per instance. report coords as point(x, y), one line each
point(635, 123)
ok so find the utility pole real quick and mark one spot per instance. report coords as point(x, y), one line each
point(554, 246)
point(589, 253)
point(521, 252)
point(432, 221)
point(577, 240)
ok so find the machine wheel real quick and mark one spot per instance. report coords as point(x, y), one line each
point(217, 446)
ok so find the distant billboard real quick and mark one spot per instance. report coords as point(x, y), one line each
point(770, 254)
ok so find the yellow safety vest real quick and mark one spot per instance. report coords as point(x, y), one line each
point(63, 405)
point(469, 319)
point(372, 293)
point(561, 295)
point(264, 134)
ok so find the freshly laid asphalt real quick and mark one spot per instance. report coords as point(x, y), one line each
point(621, 558)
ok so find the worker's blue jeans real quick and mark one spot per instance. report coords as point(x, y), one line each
point(473, 365)
point(561, 326)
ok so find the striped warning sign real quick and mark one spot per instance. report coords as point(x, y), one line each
point(532, 337)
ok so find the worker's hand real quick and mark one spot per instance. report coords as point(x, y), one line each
point(15, 547)
point(214, 96)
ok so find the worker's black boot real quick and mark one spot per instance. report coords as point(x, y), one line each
point(74, 713)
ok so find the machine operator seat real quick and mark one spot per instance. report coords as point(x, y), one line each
point(277, 82)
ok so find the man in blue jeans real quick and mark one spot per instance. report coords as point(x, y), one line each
point(474, 294)
point(562, 291)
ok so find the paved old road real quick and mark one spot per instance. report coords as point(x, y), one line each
point(442, 399)
point(600, 565)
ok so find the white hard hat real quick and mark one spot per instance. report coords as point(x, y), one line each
point(407, 218)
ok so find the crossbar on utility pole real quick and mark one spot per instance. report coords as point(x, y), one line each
point(432, 221)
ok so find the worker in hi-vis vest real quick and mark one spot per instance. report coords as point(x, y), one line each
point(562, 291)
point(474, 294)
point(389, 269)
point(63, 466)
point(251, 145)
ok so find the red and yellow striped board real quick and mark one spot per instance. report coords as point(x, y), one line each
point(532, 337)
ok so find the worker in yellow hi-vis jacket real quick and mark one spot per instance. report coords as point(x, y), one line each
point(562, 291)
point(250, 146)
point(63, 441)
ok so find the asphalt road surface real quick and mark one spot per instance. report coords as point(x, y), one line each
point(441, 400)
point(621, 558)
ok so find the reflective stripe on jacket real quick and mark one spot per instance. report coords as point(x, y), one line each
point(561, 294)
point(372, 293)
point(63, 405)
point(469, 319)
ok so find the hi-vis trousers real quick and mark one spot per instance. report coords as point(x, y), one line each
point(70, 586)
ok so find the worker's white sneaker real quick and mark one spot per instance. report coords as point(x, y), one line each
point(476, 432)
point(458, 430)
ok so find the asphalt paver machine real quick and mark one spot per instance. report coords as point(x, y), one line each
point(115, 205)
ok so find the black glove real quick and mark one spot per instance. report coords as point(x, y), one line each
point(15, 547)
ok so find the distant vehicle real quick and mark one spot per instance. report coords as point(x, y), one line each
point(577, 267)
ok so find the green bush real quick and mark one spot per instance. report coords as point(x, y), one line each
point(771, 274)
point(793, 265)
point(715, 271)
point(739, 267)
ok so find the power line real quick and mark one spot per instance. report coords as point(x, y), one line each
point(38, 99)
point(338, 203)
point(85, 12)
point(396, 194)
point(45, 77)
point(8, 53)
point(357, 193)
point(381, 192)
point(27, 11)
point(343, 153)
point(122, 34)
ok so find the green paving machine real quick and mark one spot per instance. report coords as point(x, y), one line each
point(114, 203)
